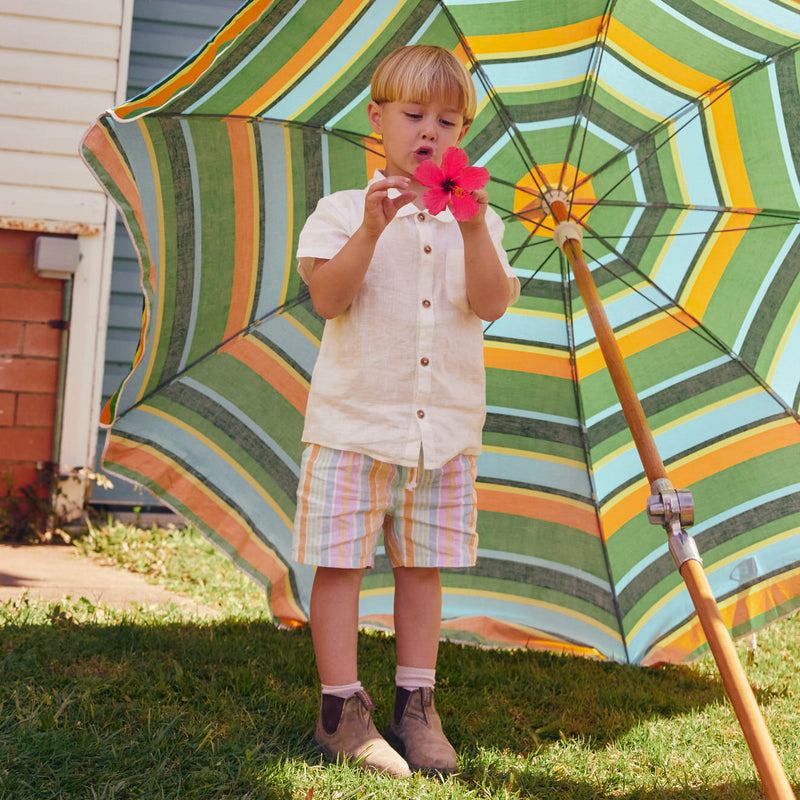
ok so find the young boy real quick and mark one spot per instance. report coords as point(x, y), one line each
point(396, 406)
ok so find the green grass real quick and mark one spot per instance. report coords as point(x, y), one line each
point(152, 703)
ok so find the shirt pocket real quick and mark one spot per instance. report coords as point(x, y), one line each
point(456, 280)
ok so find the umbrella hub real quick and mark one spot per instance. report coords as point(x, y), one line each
point(556, 203)
point(555, 181)
point(554, 196)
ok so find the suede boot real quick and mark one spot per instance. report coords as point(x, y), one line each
point(416, 725)
point(345, 731)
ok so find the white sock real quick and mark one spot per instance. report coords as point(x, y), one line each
point(411, 678)
point(345, 690)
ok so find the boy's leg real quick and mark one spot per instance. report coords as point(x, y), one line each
point(417, 615)
point(416, 538)
point(417, 619)
point(334, 623)
point(345, 729)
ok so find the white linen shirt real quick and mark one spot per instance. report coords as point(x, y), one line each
point(401, 371)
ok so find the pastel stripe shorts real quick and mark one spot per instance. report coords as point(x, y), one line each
point(345, 500)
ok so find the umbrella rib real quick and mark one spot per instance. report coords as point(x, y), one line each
point(594, 69)
point(519, 250)
point(708, 232)
point(792, 218)
point(792, 215)
point(697, 104)
point(503, 115)
point(699, 329)
point(587, 453)
point(650, 134)
point(512, 260)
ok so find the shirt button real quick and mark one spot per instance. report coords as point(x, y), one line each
point(421, 217)
point(420, 413)
point(424, 362)
point(427, 248)
point(426, 303)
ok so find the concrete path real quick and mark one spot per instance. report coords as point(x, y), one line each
point(53, 572)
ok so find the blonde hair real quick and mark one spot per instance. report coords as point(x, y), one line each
point(421, 73)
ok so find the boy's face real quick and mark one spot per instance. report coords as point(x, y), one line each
point(415, 132)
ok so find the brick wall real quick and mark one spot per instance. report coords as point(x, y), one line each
point(29, 360)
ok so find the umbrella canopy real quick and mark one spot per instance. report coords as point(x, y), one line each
point(672, 129)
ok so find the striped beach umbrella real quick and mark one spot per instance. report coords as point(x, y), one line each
point(667, 131)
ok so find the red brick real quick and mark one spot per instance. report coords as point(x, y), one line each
point(18, 475)
point(17, 241)
point(10, 337)
point(26, 444)
point(8, 402)
point(36, 410)
point(31, 305)
point(28, 374)
point(38, 282)
point(16, 269)
point(42, 341)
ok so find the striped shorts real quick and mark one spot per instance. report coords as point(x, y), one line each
point(345, 500)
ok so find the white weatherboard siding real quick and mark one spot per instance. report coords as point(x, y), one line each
point(62, 63)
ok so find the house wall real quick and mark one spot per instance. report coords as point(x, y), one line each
point(61, 65)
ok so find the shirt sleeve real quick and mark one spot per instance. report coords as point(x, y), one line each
point(326, 231)
point(496, 231)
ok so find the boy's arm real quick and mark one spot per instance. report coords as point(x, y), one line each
point(487, 282)
point(334, 282)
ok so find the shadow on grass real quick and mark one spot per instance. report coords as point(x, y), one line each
point(521, 700)
point(182, 710)
point(546, 788)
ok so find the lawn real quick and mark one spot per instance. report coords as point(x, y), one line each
point(152, 703)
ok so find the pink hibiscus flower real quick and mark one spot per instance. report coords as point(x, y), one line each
point(451, 184)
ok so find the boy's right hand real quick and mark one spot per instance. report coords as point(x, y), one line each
point(379, 208)
point(333, 283)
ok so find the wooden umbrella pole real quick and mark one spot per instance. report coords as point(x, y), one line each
point(770, 769)
point(773, 776)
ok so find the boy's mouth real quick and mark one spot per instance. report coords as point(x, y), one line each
point(423, 153)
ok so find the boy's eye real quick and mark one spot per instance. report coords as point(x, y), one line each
point(447, 123)
point(411, 115)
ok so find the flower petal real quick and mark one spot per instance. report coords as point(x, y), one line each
point(454, 173)
point(473, 178)
point(454, 161)
point(464, 206)
point(429, 174)
point(436, 200)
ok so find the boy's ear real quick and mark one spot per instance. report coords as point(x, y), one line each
point(463, 132)
point(374, 116)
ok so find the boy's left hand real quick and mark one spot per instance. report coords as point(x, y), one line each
point(482, 198)
point(487, 282)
